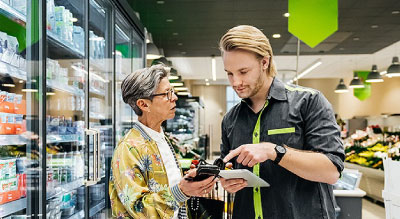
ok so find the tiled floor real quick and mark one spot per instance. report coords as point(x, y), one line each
point(372, 211)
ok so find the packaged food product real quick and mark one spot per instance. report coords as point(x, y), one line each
point(10, 125)
point(18, 124)
point(17, 102)
point(21, 108)
point(8, 169)
point(3, 121)
point(6, 102)
point(20, 5)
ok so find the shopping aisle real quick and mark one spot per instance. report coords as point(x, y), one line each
point(371, 210)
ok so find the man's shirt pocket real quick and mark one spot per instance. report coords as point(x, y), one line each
point(281, 131)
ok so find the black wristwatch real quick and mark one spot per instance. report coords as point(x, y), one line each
point(280, 152)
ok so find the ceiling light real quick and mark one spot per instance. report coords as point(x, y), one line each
point(382, 72)
point(356, 38)
point(50, 93)
point(213, 68)
point(356, 82)
point(160, 2)
point(341, 87)
point(395, 12)
point(74, 19)
point(206, 79)
point(180, 88)
point(394, 68)
point(341, 48)
point(21, 81)
point(173, 77)
point(308, 69)
point(152, 51)
point(277, 35)
point(208, 84)
point(29, 90)
point(148, 41)
point(183, 53)
point(183, 93)
point(180, 44)
point(8, 85)
point(170, 20)
point(374, 26)
point(286, 14)
point(177, 84)
point(374, 76)
point(173, 74)
point(175, 34)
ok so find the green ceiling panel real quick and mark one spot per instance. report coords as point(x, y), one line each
point(312, 21)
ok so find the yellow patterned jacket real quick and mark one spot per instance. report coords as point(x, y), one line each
point(139, 183)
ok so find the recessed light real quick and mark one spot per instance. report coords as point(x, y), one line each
point(170, 20)
point(374, 26)
point(206, 79)
point(175, 34)
point(160, 2)
point(341, 48)
point(395, 12)
point(277, 35)
point(207, 84)
point(183, 53)
point(180, 44)
point(356, 38)
point(286, 14)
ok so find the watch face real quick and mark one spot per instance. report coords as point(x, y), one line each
point(280, 149)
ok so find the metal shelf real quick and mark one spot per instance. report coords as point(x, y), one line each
point(12, 207)
point(62, 138)
point(59, 48)
point(60, 189)
point(12, 140)
point(65, 88)
point(11, 70)
point(97, 92)
point(78, 215)
point(94, 209)
point(12, 11)
point(97, 207)
point(98, 116)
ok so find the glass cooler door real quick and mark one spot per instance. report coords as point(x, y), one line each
point(66, 77)
point(20, 146)
point(100, 103)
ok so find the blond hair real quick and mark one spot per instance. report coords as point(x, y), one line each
point(251, 39)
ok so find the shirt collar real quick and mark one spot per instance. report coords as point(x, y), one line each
point(276, 91)
point(153, 134)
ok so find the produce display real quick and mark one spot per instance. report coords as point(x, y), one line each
point(367, 148)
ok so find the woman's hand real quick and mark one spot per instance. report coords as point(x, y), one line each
point(233, 185)
point(196, 188)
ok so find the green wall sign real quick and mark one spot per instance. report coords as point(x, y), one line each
point(312, 21)
point(363, 93)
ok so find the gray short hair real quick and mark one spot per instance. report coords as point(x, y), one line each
point(141, 84)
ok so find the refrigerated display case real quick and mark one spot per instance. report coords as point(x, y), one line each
point(58, 103)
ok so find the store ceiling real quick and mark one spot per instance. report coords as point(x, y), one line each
point(192, 28)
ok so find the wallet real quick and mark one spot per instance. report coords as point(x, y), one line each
point(205, 170)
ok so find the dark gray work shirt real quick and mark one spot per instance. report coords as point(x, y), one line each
point(315, 129)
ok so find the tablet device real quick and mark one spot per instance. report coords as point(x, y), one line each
point(252, 179)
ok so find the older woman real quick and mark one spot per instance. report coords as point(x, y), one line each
point(146, 179)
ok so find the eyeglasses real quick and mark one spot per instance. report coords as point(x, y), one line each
point(169, 94)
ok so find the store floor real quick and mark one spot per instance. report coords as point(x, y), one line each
point(371, 210)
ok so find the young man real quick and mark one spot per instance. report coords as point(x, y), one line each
point(286, 134)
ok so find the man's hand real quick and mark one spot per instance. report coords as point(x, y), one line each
point(233, 185)
point(252, 154)
point(199, 188)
